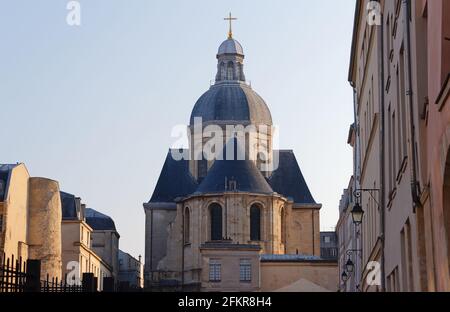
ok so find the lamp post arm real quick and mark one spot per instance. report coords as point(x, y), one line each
point(358, 193)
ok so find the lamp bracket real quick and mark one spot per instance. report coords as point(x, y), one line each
point(358, 193)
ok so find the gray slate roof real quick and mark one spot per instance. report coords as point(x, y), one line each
point(247, 176)
point(174, 181)
point(99, 221)
point(5, 170)
point(68, 205)
point(232, 102)
point(288, 179)
point(230, 46)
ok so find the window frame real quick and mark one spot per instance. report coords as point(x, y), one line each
point(213, 222)
point(215, 271)
point(245, 271)
point(255, 236)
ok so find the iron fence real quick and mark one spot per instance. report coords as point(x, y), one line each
point(17, 276)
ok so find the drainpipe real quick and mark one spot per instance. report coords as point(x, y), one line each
point(409, 94)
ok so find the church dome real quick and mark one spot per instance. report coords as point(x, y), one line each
point(232, 102)
point(230, 46)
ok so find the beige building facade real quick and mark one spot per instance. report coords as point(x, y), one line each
point(405, 50)
point(434, 114)
point(30, 218)
point(39, 222)
point(364, 78)
point(104, 240)
point(85, 248)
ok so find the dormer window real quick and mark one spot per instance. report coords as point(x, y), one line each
point(232, 185)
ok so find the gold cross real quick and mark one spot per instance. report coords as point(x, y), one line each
point(230, 33)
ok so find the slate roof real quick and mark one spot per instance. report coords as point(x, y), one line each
point(230, 46)
point(247, 176)
point(174, 181)
point(288, 179)
point(69, 206)
point(5, 170)
point(99, 221)
point(232, 102)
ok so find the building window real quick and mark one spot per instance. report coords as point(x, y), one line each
point(1, 223)
point(215, 270)
point(327, 239)
point(255, 223)
point(230, 70)
point(245, 270)
point(222, 71)
point(187, 223)
point(240, 72)
point(215, 211)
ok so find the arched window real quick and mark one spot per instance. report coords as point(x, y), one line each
point(215, 213)
point(187, 226)
point(230, 71)
point(255, 223)
point(222, 71)
point(240, 72)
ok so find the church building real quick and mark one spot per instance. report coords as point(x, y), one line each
point(234, 223)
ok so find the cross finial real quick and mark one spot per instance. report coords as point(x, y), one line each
point(229, 18)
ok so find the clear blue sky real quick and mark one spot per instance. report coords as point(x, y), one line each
point(93, 106)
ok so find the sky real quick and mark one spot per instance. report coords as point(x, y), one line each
point(93, 106)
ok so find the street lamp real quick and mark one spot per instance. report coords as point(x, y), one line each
point(344, 276)
point(357, 214)
point(349, 265)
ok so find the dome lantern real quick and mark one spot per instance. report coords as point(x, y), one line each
point(230, 56)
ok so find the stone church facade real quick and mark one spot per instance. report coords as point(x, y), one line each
point(233, 223)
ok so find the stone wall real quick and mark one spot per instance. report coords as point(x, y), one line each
point(44, 231)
